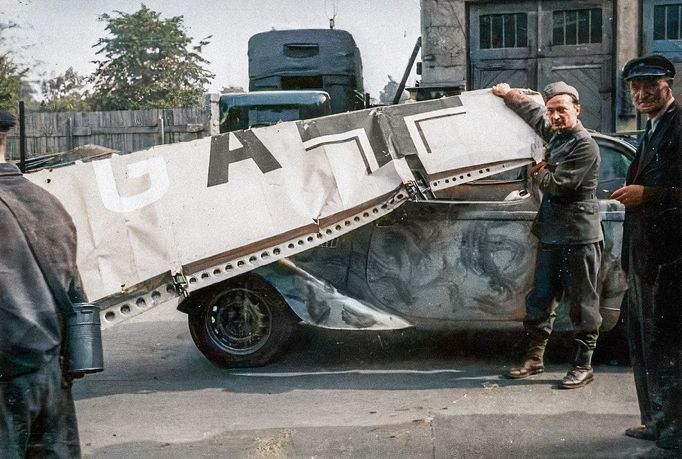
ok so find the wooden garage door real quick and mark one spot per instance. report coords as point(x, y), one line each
point(533, 43)
point(662, 32)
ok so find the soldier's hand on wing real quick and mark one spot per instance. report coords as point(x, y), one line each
point(535, 170)
point(501, 89)
point(629, 195)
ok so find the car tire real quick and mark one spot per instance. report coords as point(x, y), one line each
point(242, 323)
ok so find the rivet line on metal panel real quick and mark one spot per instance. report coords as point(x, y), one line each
point(136, 305)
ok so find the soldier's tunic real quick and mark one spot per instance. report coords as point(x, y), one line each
point(568, 227)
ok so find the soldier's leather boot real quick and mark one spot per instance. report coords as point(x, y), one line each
point(530, 366)
point(532, 362)
point(577, 377)
point(581, 374)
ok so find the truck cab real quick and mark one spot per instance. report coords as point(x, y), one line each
point(264, 108)
point(304, 59)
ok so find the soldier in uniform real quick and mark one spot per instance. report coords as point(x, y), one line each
point(568, 228)
point(652, 253)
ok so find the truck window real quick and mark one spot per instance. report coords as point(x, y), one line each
point(265, 108)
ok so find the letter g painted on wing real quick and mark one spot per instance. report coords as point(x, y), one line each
point(155, 168)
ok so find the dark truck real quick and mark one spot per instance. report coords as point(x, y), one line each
point(296, 75)
point(308, 59)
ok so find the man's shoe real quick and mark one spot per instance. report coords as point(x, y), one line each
point(669, 443)
point(670, 438)
point(641, 432)
point(531, 366)
point(576, 377)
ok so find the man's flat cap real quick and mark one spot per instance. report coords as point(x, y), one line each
point(7, 121)
point(653, 66)
point(558, 88)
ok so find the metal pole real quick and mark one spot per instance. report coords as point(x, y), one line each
point(22, 137)
point(163, 129)
point(401, 86)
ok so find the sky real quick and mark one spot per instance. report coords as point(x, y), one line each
point(54, 35)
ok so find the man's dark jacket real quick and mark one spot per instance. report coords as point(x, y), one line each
point(654, 227)
point(30, 325)
point(569, 211)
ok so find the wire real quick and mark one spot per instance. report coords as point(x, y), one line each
point(332, 17)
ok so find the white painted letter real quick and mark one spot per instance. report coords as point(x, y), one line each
point(158, 177)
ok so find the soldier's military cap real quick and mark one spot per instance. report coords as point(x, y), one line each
point(558, 88)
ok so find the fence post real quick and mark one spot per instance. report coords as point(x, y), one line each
point(22, 137)
point(163, 129)
point(212, 100)
point(69, 134)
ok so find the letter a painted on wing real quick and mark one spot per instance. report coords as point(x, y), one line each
point(234, 147)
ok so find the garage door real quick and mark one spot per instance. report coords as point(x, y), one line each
point(530, 44)
point(662, 32)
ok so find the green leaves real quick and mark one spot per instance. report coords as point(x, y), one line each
point(66, 92)
point(11, 73)
point(145, 63)
point(10, 82)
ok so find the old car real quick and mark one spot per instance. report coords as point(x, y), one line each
point(460, 259)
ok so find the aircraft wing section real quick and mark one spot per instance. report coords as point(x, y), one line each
point(155, 224)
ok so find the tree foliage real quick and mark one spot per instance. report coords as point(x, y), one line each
point(66, 92)
point(11, 74)
point(231, 88)
point(387, 94)
point(148, 62)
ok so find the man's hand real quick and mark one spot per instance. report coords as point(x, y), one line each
point(629, 195)
point(535, 170)
point(501, 89)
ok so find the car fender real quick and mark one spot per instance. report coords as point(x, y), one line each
point(317, 302)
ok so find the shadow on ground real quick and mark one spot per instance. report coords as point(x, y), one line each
point(144, 358)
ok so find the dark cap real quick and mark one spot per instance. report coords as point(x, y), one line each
point(558, 88)
point(653, 66)
point(7, 121)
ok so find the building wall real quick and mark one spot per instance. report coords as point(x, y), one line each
point(444, 47)
point(628, 19)
point(444, 33)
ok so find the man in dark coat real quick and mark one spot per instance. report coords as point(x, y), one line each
point(652, 252)
point(568, 227)
point(37, 414)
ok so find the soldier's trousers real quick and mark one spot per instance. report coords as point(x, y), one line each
point(568, 273)
point(37, 416)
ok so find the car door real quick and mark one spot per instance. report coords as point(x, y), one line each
point(468, 255)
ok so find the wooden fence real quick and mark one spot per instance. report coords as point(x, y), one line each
point(124, 131)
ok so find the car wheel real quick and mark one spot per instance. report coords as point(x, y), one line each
point(241, 324)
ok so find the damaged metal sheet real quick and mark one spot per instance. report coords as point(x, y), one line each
point(317, 302)
point(434, 263)
point(176, 218)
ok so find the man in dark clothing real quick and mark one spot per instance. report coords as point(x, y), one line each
point(652, 253)
point(568, 228)
point(37, 414)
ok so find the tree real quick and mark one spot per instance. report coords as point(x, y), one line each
point(65, 92)
point(387, 94)
point(147, 64)
point(231, 88)
point(11, 74)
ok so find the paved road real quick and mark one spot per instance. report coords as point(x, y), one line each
point(405, 394)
